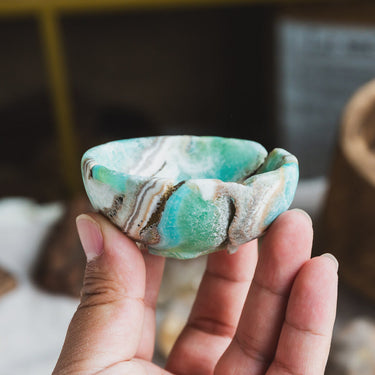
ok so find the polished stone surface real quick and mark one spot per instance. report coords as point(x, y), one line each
point(185, 196)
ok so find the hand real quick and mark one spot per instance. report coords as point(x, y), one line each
point(272, 315)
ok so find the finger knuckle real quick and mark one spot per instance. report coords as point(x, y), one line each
point(252, 348)
point(99, 288)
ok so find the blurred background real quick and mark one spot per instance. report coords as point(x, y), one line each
point(77, 73)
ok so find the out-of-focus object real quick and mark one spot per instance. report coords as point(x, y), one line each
point(180, 278)
point(348, 220)
point(176, 297)
point(186, 196)
point(324, 52)
point(174, 319)
point(7, 282)
point(22, 218)
point(353, 349)
point(61, 264)
point(33, 323)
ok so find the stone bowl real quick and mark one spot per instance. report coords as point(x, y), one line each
point(185, 196)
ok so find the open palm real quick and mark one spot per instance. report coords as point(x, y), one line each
point(272, 315)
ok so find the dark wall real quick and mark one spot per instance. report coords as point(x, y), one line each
point(204, 71)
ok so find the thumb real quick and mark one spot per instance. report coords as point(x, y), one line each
point(107, 326)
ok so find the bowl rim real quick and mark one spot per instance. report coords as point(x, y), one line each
point(89, 161)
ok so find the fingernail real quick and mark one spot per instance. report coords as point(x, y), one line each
point(330, 256)
point(303, 212)
point(90, 235)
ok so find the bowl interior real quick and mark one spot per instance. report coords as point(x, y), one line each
point(181, 157)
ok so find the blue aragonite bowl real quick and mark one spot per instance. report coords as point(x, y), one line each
point(185, 196)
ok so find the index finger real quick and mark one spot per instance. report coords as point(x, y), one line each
point(216, 311)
